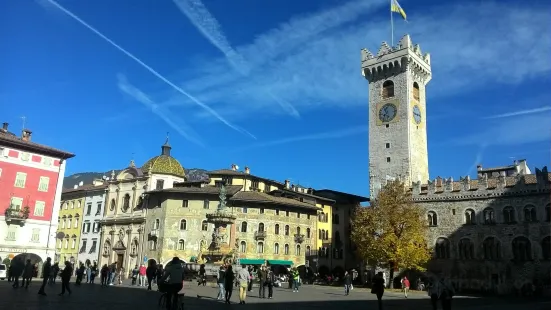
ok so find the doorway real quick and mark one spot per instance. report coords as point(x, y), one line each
point(120, 260)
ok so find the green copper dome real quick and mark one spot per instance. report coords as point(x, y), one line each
point(164, 163)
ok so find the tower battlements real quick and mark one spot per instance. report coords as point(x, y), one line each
point(482, 188)
point(390, 61)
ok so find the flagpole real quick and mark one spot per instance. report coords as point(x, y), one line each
point(391, 26)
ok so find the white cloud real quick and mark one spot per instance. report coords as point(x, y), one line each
point(521, 112)
point(180, 126)
point(313, 61)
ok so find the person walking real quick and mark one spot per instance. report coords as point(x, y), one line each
point(262, 276)
point(445, 293)
point(296, 278)
point(93, 272)
point(347, 283)
point(221, 280)
point(378, 288)
point(243, 279)
point(174, 273)
point(150, 273)
point(405, 286)
point(65, 278)
point(142, 273)
point(228, 283)
point(28, 273)
point(46, 270)
point(104, 275)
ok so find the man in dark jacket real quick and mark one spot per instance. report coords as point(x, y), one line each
point(262, 276)
point(347, 283)
point(46, 270)
point(221, 283)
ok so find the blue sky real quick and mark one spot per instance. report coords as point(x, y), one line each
point(273, 85)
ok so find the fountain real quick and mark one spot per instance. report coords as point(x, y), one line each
point(220, 251)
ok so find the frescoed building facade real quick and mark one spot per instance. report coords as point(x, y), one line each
point(31, 177)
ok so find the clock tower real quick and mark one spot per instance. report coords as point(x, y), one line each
point(397, 78)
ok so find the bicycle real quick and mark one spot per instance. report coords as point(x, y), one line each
point(179, 306)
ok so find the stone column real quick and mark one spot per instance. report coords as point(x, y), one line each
point(112, 241)
point(128, 247)
point(118, 190)
point(141, 244)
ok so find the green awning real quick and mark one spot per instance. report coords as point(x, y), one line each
point(251, 261)
point(280, 262)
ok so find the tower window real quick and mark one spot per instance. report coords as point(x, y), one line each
point(415, 91)
point(387, 125)
point(388, 159)
point(387, 145)
point(388, 89)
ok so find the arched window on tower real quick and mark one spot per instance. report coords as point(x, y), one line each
point(415, 91)
point(530, 214)
point(509, 215)
point(183, 224)
point(548, 213)
point(261, 227)
point(181, 245)
point(442, 248)
point(308, 233)
point(276, 229)
point(243, 247)
point(432, 218)
point(522, 249)
point(388, 89)
point(466, 249)
point(546, 248)
point(336, 219)
point(489, 216)
point(470, 217)
point(244, 227)
point(126, 203)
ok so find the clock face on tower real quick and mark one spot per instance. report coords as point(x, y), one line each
point(416, 114)
point(387, 112)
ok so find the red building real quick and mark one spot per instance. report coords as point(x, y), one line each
point(31, 179)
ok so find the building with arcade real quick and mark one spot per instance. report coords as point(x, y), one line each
point(31, 177)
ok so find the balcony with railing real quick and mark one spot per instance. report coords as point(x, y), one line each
point(260, 235)
point(16, 216)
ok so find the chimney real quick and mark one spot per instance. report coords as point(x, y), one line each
point(234, 167)
point(80, 183)
point(5, 127)
point(478, 167)
point(75, 186)
point(287, 184)
point(310, 191)
point(26, 135)
point(247, 170)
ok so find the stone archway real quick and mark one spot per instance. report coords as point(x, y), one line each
point(35, 261)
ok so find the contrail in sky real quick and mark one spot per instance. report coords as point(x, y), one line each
point(151, 70)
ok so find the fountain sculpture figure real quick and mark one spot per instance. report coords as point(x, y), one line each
point(220, 251)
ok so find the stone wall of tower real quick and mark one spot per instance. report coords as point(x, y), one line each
point(417, 132)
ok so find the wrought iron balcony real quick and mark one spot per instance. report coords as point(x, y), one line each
point(299, 238)
point(260, 235)
point(16, 216)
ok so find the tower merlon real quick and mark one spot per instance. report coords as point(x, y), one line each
point(393, 60)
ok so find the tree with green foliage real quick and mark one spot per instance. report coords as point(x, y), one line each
point(392, 231)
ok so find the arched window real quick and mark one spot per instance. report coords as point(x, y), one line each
point(276, 229)
point(298, 230)
point(204, 226)
point(308, 233)
point(335, 219)
point(126, 203)
point(548, 213)
point(442, 248)
point(470, 217)
point(183, 224)
point(415, 91)
point(298, 250)
point(243, 247)
point(466, 249)
point(260, 247)
point(244, 227)
point(325, 234)
point(112, 205)
point(522, 249)
point(337, 237)
point(286, 230)
point(509, 215)
point(388, 89)
point(261, 227)
point(546, 248)
point(157, 224)
point(530, 214)
point(432, 218)
point(76, 221)
point(492, 249)
point(276, 248)
point(489, 216)
point(69, 222)
point(286, 249)
point(181, 245)
point(308, 251)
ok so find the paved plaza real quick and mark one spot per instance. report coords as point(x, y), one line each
point(123, 297)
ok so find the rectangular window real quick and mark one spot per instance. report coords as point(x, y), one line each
point(387, 145)
point(254, 184)
point(88, 209)
point(98, 211)
point(43, 184)
point(227, 180)
point(261, 210)
point(298, 215)
point(73, 243)
point(185, 203)
point(160, 184)
point(94, 245)
point(206, 204)
point(11, 235)
point(76, 223)
point(387, 125)
point(388, 159)
point(83, 247)
point(39, 207)
point(277, 211)
point(20, 179)
point(35, 237)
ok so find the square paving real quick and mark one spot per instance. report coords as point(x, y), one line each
point(93, 296)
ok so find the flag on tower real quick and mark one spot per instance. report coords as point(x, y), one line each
point(396, 8)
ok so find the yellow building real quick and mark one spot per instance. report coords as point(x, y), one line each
point(69, 228)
